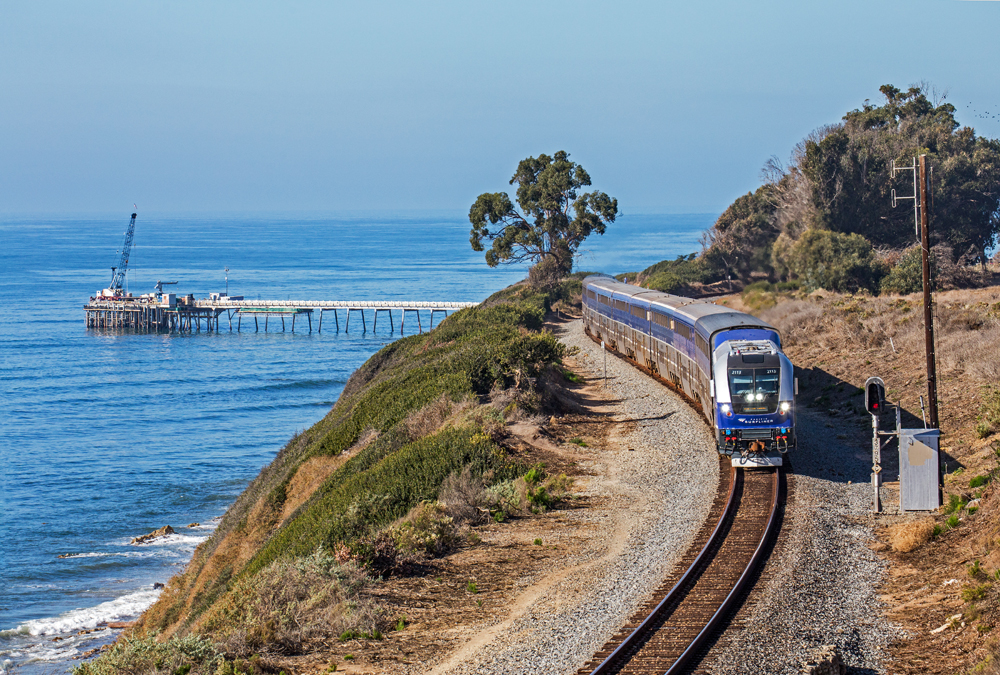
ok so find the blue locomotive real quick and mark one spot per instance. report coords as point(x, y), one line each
point(729, 363)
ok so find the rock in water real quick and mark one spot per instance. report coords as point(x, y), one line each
point(155, 534)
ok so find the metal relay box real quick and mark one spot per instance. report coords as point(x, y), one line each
point(919, 467)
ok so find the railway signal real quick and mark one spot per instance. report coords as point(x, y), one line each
point(874, 395)
point(874, 403)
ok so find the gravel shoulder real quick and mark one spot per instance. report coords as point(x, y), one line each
point(654, 482)
point(821, 584)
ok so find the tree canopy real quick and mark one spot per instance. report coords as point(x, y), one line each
point(553, 218)
point(839, 180)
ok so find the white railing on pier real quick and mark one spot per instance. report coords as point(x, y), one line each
point(333, 304)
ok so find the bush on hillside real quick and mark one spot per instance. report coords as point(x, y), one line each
point(427, 529)
point(670, 276)
point(292, 600)
point(830, 260)
point(190, 654)
point(464, 497)
point(907, 275)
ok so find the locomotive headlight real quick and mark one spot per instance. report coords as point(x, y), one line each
point(785, 406)
point(725, 407)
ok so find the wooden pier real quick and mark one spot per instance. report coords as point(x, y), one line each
point(148, 314)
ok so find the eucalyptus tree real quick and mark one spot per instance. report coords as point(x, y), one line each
point(551, 218)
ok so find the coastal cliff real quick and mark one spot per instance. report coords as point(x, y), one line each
point(355, 496)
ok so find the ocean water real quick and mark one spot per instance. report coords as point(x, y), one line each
point(109, 435)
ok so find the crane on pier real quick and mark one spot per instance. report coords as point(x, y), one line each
point(118, 272)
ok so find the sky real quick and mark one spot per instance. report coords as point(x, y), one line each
point(331, 107)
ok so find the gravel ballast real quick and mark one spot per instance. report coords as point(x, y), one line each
point(820, 586)
point(664, 473)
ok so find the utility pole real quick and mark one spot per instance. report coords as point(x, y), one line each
point(921, 218)
point(925, 246)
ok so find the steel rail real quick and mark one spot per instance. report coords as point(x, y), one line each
point(708, 632)
point(608, 665)
point(676, 596)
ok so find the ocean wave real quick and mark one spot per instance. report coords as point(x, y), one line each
point(180, 541)
point(14, 632)
point(119, 609)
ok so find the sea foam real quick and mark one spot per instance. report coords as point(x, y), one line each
point(125, 607)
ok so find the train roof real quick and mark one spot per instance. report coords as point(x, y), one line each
point(707, 316)
point(612, 285)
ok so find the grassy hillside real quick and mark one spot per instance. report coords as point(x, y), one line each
point(346, 500)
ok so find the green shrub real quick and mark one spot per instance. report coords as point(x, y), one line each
point(955, 503)
point(975, 593)
point(534, 475)
point(145, 655)
point(979, 481)
point(427, 529)
point(506, 499)
point(670, 276)
point(832, 261)
point(570, 376)
point(952, 522)
point(472, 588)
point(907, 276)
point(759, 287)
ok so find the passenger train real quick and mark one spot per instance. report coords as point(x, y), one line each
point(729, 363)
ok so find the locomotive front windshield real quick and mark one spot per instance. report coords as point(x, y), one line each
point(754, 390)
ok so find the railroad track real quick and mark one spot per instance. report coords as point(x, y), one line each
point(673, 631)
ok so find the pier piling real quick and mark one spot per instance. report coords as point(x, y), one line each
point(148, 314)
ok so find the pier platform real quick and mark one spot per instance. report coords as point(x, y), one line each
point(191, 315)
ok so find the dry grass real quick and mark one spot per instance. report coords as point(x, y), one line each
point(291, 602)
point(967, 333)
point(906, 537)
point(465, 498)
point(433, 417)
point(310, 476)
